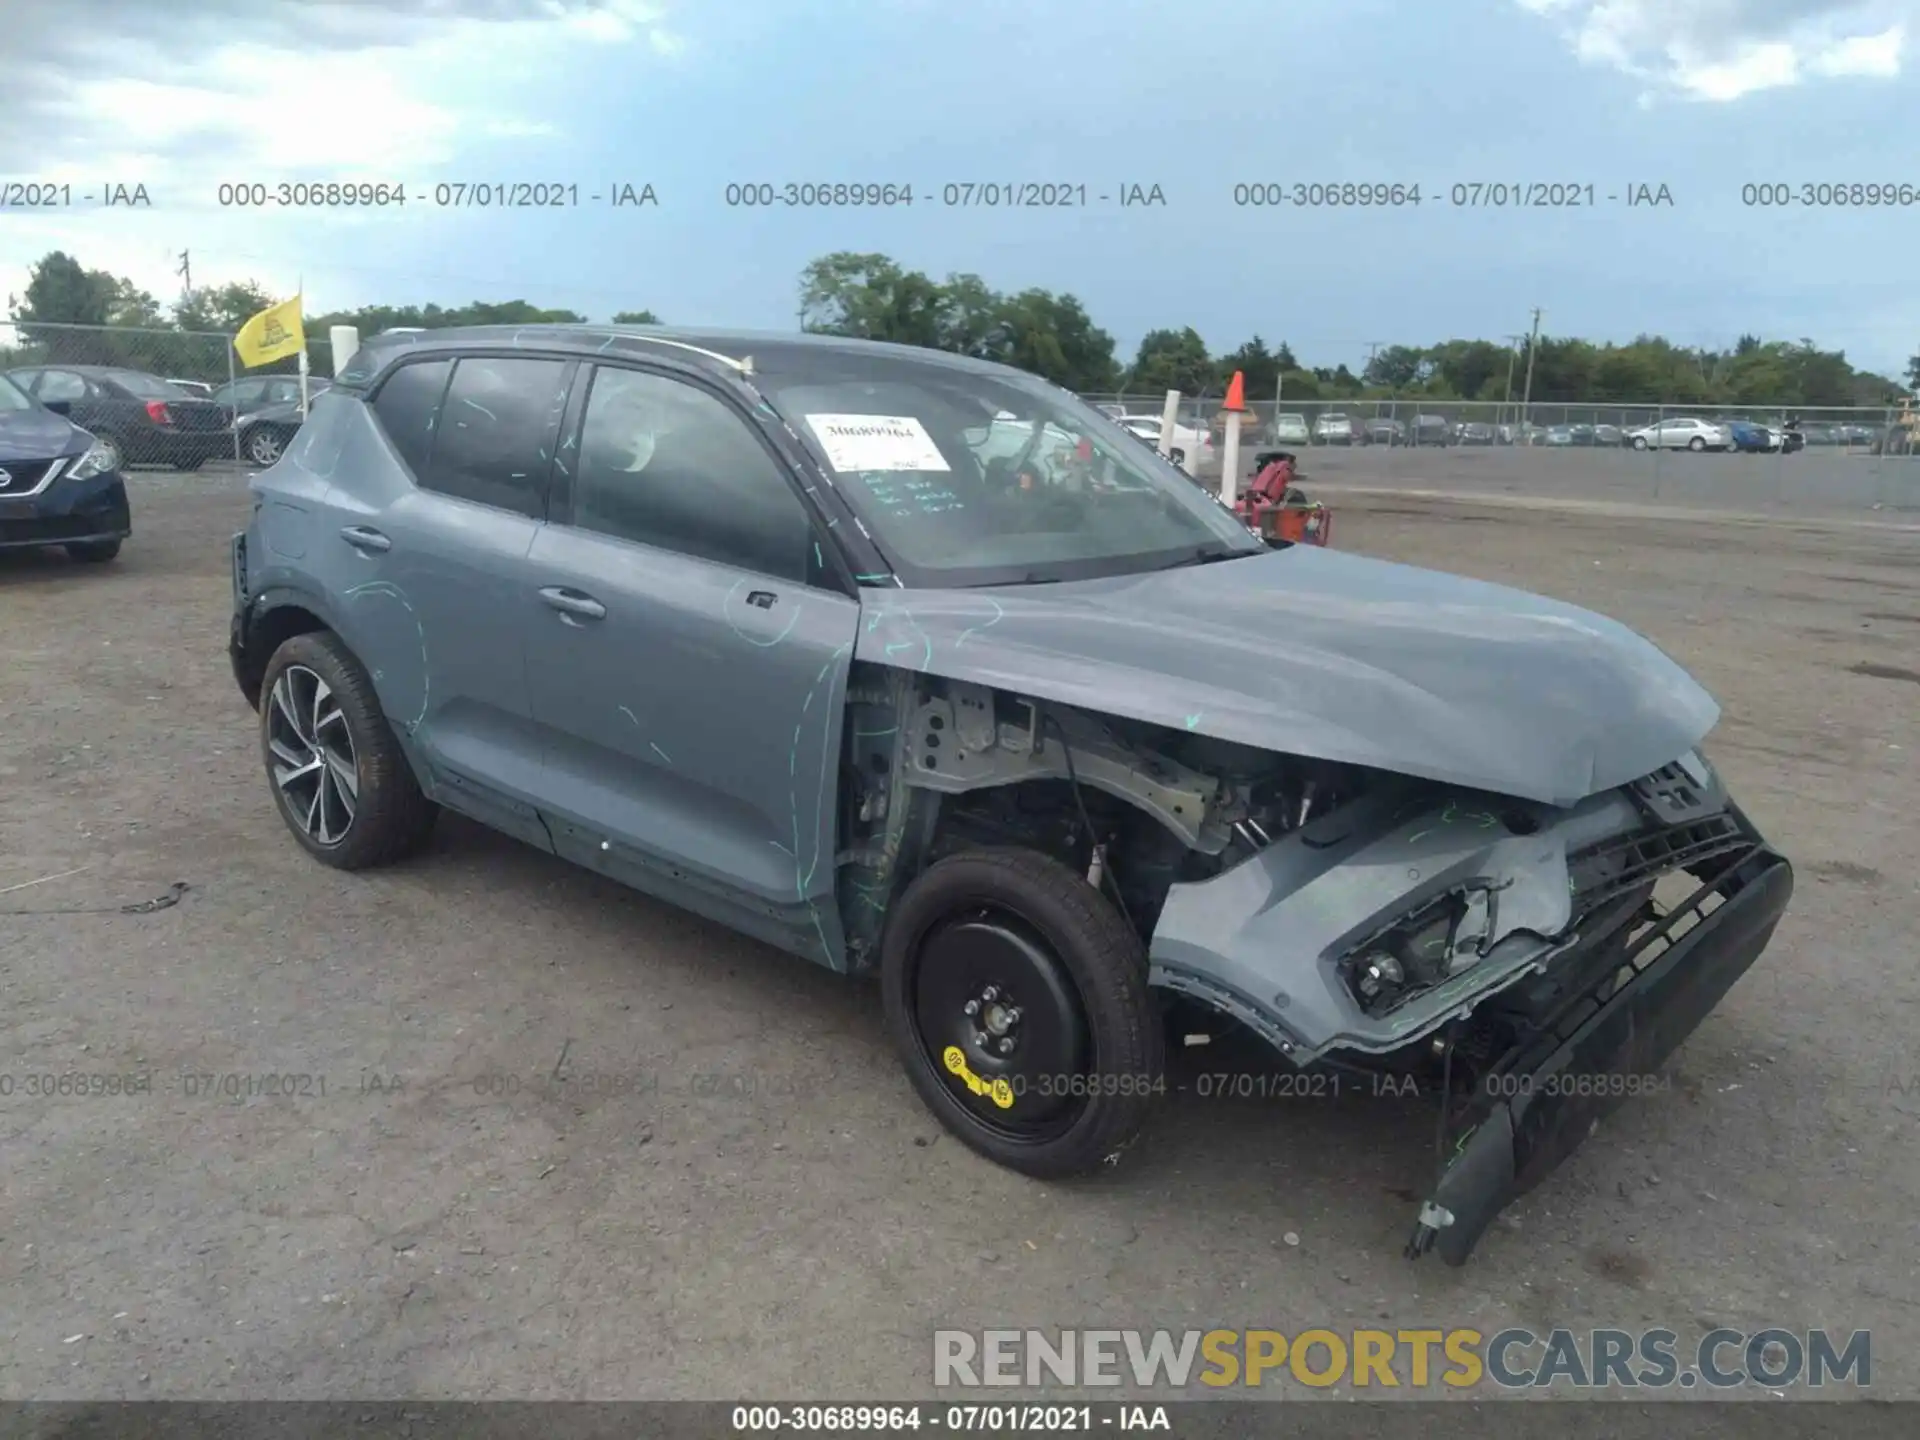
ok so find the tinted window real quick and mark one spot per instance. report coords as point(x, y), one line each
point(667, 464)
point(240, 392)
point(407, 405)
point(496, 431)
point(12, 397)
point(145, 387)
point(61, 385)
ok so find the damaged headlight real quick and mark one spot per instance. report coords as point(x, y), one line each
point(1429, 946)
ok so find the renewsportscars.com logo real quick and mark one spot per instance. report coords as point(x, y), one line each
point(1390, 1359)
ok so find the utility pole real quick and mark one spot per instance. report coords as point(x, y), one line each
point(185, 272)
point(1513, 350)
point(1533, 345)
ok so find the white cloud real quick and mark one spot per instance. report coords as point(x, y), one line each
point(1721, 50)
point(182, 99)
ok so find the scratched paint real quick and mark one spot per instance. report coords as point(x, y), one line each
point(392, 592)
point(727, 607)
point(803, 879)
point(999, 614)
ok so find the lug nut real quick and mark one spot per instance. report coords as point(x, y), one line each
point(973, 1007)
point(992, 992)
point(1013, 1015)
point(1006, 1045)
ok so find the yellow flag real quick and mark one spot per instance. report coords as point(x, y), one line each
point(273, 334)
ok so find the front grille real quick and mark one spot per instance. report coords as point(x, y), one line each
point(1601, 872)
point(1671, 794)
point(21, 476)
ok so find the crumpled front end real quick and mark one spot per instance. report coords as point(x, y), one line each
point(1516, 953)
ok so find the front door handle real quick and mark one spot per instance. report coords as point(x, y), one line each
point(572, 605)
point(762, 598)
point(365, 539)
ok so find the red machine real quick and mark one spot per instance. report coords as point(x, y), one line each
point(1274, 509)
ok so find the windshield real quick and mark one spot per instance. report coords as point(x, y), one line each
point(985, 478)
point(12, 397)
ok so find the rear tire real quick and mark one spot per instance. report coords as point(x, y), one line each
point(1696, 444)
point(93, 552)
point(340, 780)
point(1015, 933)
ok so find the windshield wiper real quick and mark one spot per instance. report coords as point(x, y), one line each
point(1206, 555)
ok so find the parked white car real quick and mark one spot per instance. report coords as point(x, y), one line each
point(1291, 429)
point(1334, 428)
point(1680, 433)
point(1187, 446)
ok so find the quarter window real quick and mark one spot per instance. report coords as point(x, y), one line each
point(408, 404)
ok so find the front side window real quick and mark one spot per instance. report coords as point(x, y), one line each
point(664, 463)
point(12, 397)
point(495, 434)
point(973, 477)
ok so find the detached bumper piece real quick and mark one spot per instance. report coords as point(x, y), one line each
point(1535, 1104)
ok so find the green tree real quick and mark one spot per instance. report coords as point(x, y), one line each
point(1171, 360)
point(636, 317)
point(1397, 367)
point(224, 308)
point(1259, 368)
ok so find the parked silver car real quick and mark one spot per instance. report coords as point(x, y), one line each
point(749, 623)
point(1680, 433)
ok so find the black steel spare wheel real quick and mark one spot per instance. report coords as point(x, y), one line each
point(999, 1012)
point(1017, 998)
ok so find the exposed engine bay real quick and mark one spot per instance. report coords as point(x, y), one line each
point(1339, 912)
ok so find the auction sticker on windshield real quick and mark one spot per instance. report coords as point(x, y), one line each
point(856, 443)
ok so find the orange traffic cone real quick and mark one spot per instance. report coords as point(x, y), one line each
point(1236, 393)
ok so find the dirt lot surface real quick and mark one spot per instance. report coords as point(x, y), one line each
point(573, 1143)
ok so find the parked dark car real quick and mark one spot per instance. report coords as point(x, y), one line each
point(1384, 432)
point(762, 625)
point(1474, 432)
point(266, 422)
point(140, 419)
point(1431, 430)
point(1609, 435)
point(58, 486)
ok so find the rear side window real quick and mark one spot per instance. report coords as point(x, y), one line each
point(407, 405)
point(495, 436)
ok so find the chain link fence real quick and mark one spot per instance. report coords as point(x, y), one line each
point(1750, 457)
point(166, 397)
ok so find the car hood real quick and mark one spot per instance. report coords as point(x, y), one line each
point(37, 434)
point(1325, 654)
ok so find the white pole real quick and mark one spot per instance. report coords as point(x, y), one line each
point(1167, 417)
point(303, 382)
point(345, 339)
point(1230, 462)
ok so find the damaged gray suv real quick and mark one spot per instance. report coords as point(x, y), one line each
point(916, 665)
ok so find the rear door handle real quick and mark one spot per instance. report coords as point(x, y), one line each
point(762, 598)
point(365, 539)
point(572, 605)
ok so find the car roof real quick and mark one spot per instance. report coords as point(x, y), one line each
point(758, 352)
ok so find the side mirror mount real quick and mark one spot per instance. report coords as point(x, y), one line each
point(59, 407)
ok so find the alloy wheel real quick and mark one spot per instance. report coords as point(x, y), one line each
point(314, 765)
point(264, 447)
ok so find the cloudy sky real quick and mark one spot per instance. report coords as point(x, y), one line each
point(1701, 96)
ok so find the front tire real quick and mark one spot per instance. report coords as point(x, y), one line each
point(1696, 444)
point(1017, 998)
point(340, 780)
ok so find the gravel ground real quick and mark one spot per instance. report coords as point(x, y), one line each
point(573, 1143)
